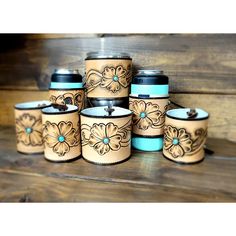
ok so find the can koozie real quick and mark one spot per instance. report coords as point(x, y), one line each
point(106, 137)
point(61, 133)
point(66, 87)
point(108, 77)
point(185, 134)
point(149, 101)
point(148, 122)
point(28, 118)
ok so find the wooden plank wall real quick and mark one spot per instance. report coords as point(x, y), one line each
point(201, 68)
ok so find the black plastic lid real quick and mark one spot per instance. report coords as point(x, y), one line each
point(150, 77)
point(66, 76)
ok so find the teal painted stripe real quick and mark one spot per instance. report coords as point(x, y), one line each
point(56, 85)
point(147, 144)
point(162, 89)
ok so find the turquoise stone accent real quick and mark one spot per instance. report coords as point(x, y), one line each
point(106, 140)
point(115, 78)
point(28, 130)
point(61, 138)
point(143, 114)
point(175, 141)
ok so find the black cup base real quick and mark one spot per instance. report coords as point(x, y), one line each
point(63, 161)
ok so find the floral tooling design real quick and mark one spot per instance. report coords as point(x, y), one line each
point(60, 137)
point(179, 142)
point(29, 130)
point(69, 98)
point(111, 78)
point(147, 115)
point(106, 137)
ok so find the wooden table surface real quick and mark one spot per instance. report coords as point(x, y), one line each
point(146, 177)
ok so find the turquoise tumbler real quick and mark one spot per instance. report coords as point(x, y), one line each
point(149, 101)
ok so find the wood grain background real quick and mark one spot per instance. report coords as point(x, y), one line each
point(201, 68)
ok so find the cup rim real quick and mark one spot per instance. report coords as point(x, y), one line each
point(138, 96)
point(55, 111)
point(32, 105)
point(91, 112)
point(107, 55)
point(181, 114)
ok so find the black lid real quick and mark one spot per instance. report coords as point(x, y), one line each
point(66, 76)
point(150, 77)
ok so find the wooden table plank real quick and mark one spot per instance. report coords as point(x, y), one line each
point(211, 180)
point(20, 187)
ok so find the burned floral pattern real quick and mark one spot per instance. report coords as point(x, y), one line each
point(60, 137)
point(106, 137)
point(111, 78)
point(29, 130)
point(69, 98)
point(178, 142)
point(146, 115)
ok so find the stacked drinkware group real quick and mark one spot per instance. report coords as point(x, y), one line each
point(108, 114)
